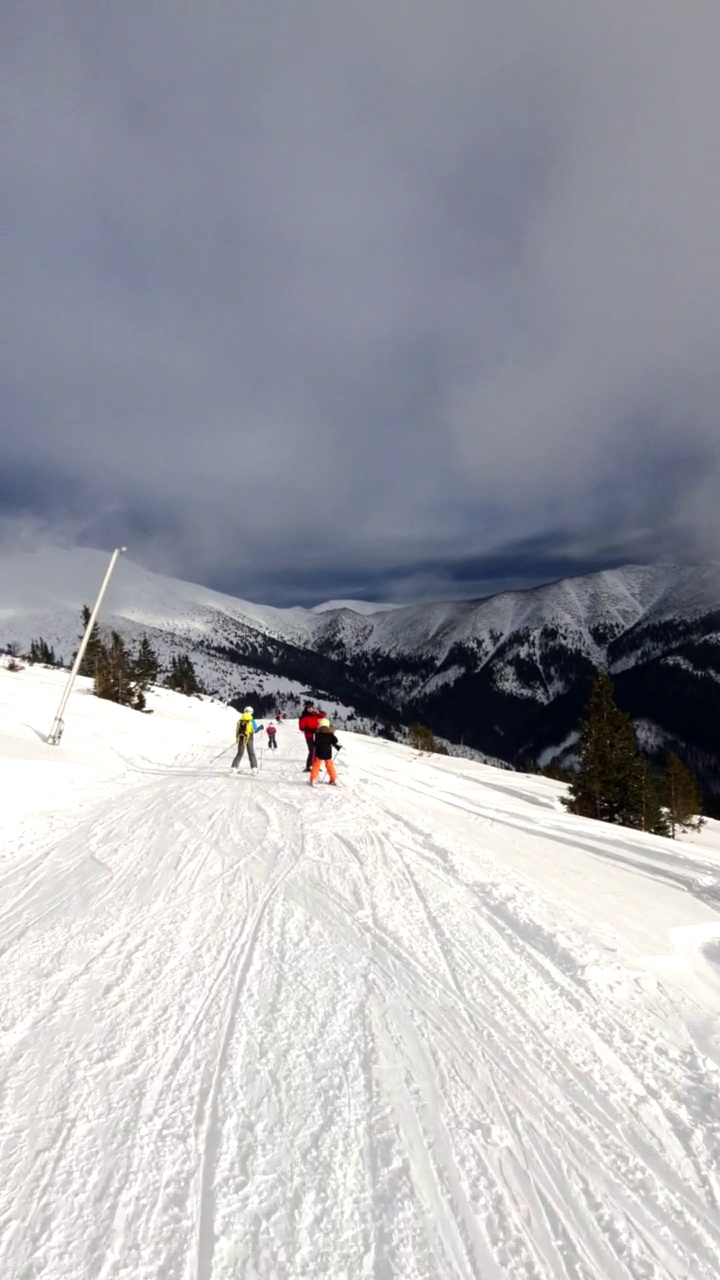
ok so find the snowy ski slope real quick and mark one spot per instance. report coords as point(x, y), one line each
point(426, 1025)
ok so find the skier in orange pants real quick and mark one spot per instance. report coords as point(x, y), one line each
point(325, 740)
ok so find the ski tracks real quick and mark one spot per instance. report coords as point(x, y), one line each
point(567, 1128)
point(252, 1032)
point(238, 959)
point(104, 959)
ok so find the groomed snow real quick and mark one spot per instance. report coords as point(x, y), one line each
point(425, 1025)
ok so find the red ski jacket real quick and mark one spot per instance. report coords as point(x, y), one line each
point(308, 725)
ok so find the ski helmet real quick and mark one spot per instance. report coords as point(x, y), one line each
point(324, 723)
point(247, 711)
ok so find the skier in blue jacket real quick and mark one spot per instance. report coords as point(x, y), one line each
point(245, 732)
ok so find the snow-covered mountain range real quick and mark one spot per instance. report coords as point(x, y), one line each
point(507, 675)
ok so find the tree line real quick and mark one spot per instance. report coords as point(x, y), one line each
point(119, 673)
point(39, 651)
point(615, 783)
point(123, 675)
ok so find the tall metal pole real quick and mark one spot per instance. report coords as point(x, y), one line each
point(56, 732)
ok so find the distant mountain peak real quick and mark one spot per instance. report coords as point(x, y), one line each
point(354, 606)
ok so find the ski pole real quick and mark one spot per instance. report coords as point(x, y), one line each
point(221, 753)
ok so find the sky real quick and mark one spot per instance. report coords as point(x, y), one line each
point(386, 300)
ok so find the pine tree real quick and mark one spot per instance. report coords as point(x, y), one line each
point(94, 654)
point(41, 651)
point(421, 738)
point(594, 790)
point(612, 783)
point(681, 796)
point(114, 678)
point(182, 677)
point(145, 665)
point(654, 817)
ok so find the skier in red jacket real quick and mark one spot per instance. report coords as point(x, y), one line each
point(308, 724)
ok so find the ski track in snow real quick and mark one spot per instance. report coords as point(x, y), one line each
point(251, 1031)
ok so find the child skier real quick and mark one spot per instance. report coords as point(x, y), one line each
point(245, 731)
point(271, 732)
point(325, 740)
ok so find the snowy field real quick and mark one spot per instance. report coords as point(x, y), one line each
point(423, 1026)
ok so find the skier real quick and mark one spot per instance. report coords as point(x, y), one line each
point(271, 732)
point(308, 724)
point(325, 740)
point(245, 731)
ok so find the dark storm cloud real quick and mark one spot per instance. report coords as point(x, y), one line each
point(362, 297)
point(514, 568)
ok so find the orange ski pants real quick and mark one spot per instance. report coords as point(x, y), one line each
point(315, 770)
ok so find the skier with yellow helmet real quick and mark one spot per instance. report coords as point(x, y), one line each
point(245, 732)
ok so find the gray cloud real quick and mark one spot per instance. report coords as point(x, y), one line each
point(339, 294)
